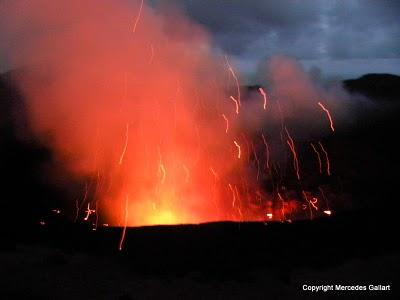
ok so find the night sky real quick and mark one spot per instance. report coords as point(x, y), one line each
point(341, 38)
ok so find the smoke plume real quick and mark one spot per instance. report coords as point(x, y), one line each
point(134, 102)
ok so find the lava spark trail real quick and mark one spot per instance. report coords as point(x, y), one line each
point(257, 160)
point(292, 147)
point(238, 147)
point(214, 173)
point(233, 195)
point(236, 79)
point(121, 242)
point(309, 204)
point(89, 212)
point(314, 202)
point(328, 164)
point(121, 158)
point(83, 201)
point(327, 211)
point(238, 200)
point(161, 169)
point(236, 103)
point(262, 92)
point(282, 207)
point(163, 173)
point(328, 115)
point(266, 148)
point(138, 16)
point(318, 157)
point(226, 122)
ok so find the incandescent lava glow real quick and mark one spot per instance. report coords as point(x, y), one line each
point(130, 100)
point(166, 217)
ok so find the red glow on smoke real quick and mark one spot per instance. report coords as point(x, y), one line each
point(135, 103)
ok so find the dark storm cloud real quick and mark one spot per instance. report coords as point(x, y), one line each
point(364, 29)
point(241, 26)
point(308, 29)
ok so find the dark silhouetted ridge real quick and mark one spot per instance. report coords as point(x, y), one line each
point(375, 86)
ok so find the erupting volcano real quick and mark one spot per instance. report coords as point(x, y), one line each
point(194, 149)
point(158, 128)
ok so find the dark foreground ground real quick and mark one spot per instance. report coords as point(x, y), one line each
point(209, 261)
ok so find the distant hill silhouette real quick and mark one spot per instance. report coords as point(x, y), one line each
point(375, 86)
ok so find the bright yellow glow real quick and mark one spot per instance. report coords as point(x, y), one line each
point(161, 217)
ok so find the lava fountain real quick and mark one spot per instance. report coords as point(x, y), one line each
point(136, 105)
